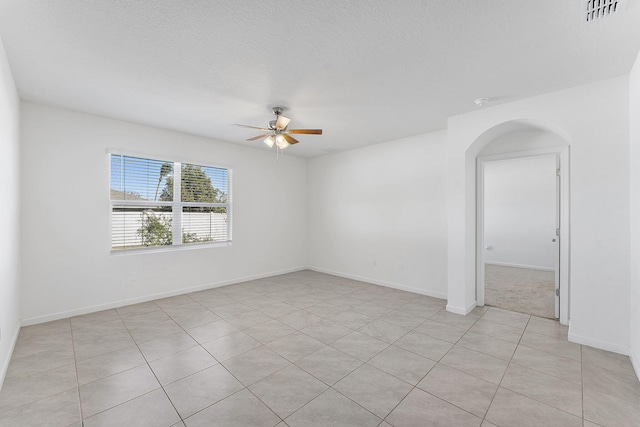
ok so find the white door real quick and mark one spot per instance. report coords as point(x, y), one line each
point(556, 238)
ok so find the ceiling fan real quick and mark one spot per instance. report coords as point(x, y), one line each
point(278, 133)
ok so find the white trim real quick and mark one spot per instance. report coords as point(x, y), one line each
point(520, 154)
point(176, 205)
point(602, 345)
point(563, 153)
point(439, 295)
point(460, 310)
point(5, 365)
point(230, 204)
point(160, 157)
point(635, 362)
point(169, 248)
point(122, 303)
point(480, 243)
point(530, 267)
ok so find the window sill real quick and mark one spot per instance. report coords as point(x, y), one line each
point(173, 248)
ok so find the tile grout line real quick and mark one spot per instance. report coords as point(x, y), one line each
point(337, 391)
point(536, 400)
point(582, 383)
point(413, 387)
point(42, 373)
point(214, 358)
point(200, 345)
point(147, 364)
point(245, 387)
point(135, 342)
point(425, 375)
point(75, 364)
point(505, 372)
point(290, 363)
point(331, 386)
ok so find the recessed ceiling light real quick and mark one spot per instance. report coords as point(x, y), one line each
point(481, 102)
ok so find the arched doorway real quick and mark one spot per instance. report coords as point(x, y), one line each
point(524, 140)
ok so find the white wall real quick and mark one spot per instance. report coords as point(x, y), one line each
point(634, 132)
point(67, 266)
point(594, 119)
point(520, 212)
point(9, 213)
point(378, 214)
point(527, 139)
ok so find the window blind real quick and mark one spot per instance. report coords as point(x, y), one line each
point(145, 211)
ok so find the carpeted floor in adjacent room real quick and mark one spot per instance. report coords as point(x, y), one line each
point(523, 290)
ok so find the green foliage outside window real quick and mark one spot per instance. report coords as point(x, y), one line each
point(156, 230)
point(195, 186)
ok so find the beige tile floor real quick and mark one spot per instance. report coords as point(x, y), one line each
point(308, 349)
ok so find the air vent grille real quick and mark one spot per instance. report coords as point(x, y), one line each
point(597, 9)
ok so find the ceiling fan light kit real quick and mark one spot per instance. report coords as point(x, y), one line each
point(269, 141)
point(281, 143)
point(277, 132)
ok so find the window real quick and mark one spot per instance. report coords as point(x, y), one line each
point(159, 203)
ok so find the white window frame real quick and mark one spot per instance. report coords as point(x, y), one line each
point(176, 207)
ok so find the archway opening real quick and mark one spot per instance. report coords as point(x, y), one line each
point(513, 141)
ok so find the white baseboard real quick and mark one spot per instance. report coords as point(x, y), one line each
point(602, 345)
point(5, 364)
point(635, 361)
point(439, 295)
point(530, 267)
point(461, 310)
point(122, 303)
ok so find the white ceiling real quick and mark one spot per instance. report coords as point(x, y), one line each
point(364, 71)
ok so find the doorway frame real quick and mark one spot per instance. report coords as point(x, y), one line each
point(564, 251)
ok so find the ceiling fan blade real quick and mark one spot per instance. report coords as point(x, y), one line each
point(291, 140)
point(306, 131)
point(282, 122)
point(251, 127)
point(258, 137)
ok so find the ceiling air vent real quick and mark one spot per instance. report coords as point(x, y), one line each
point(597, 9)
